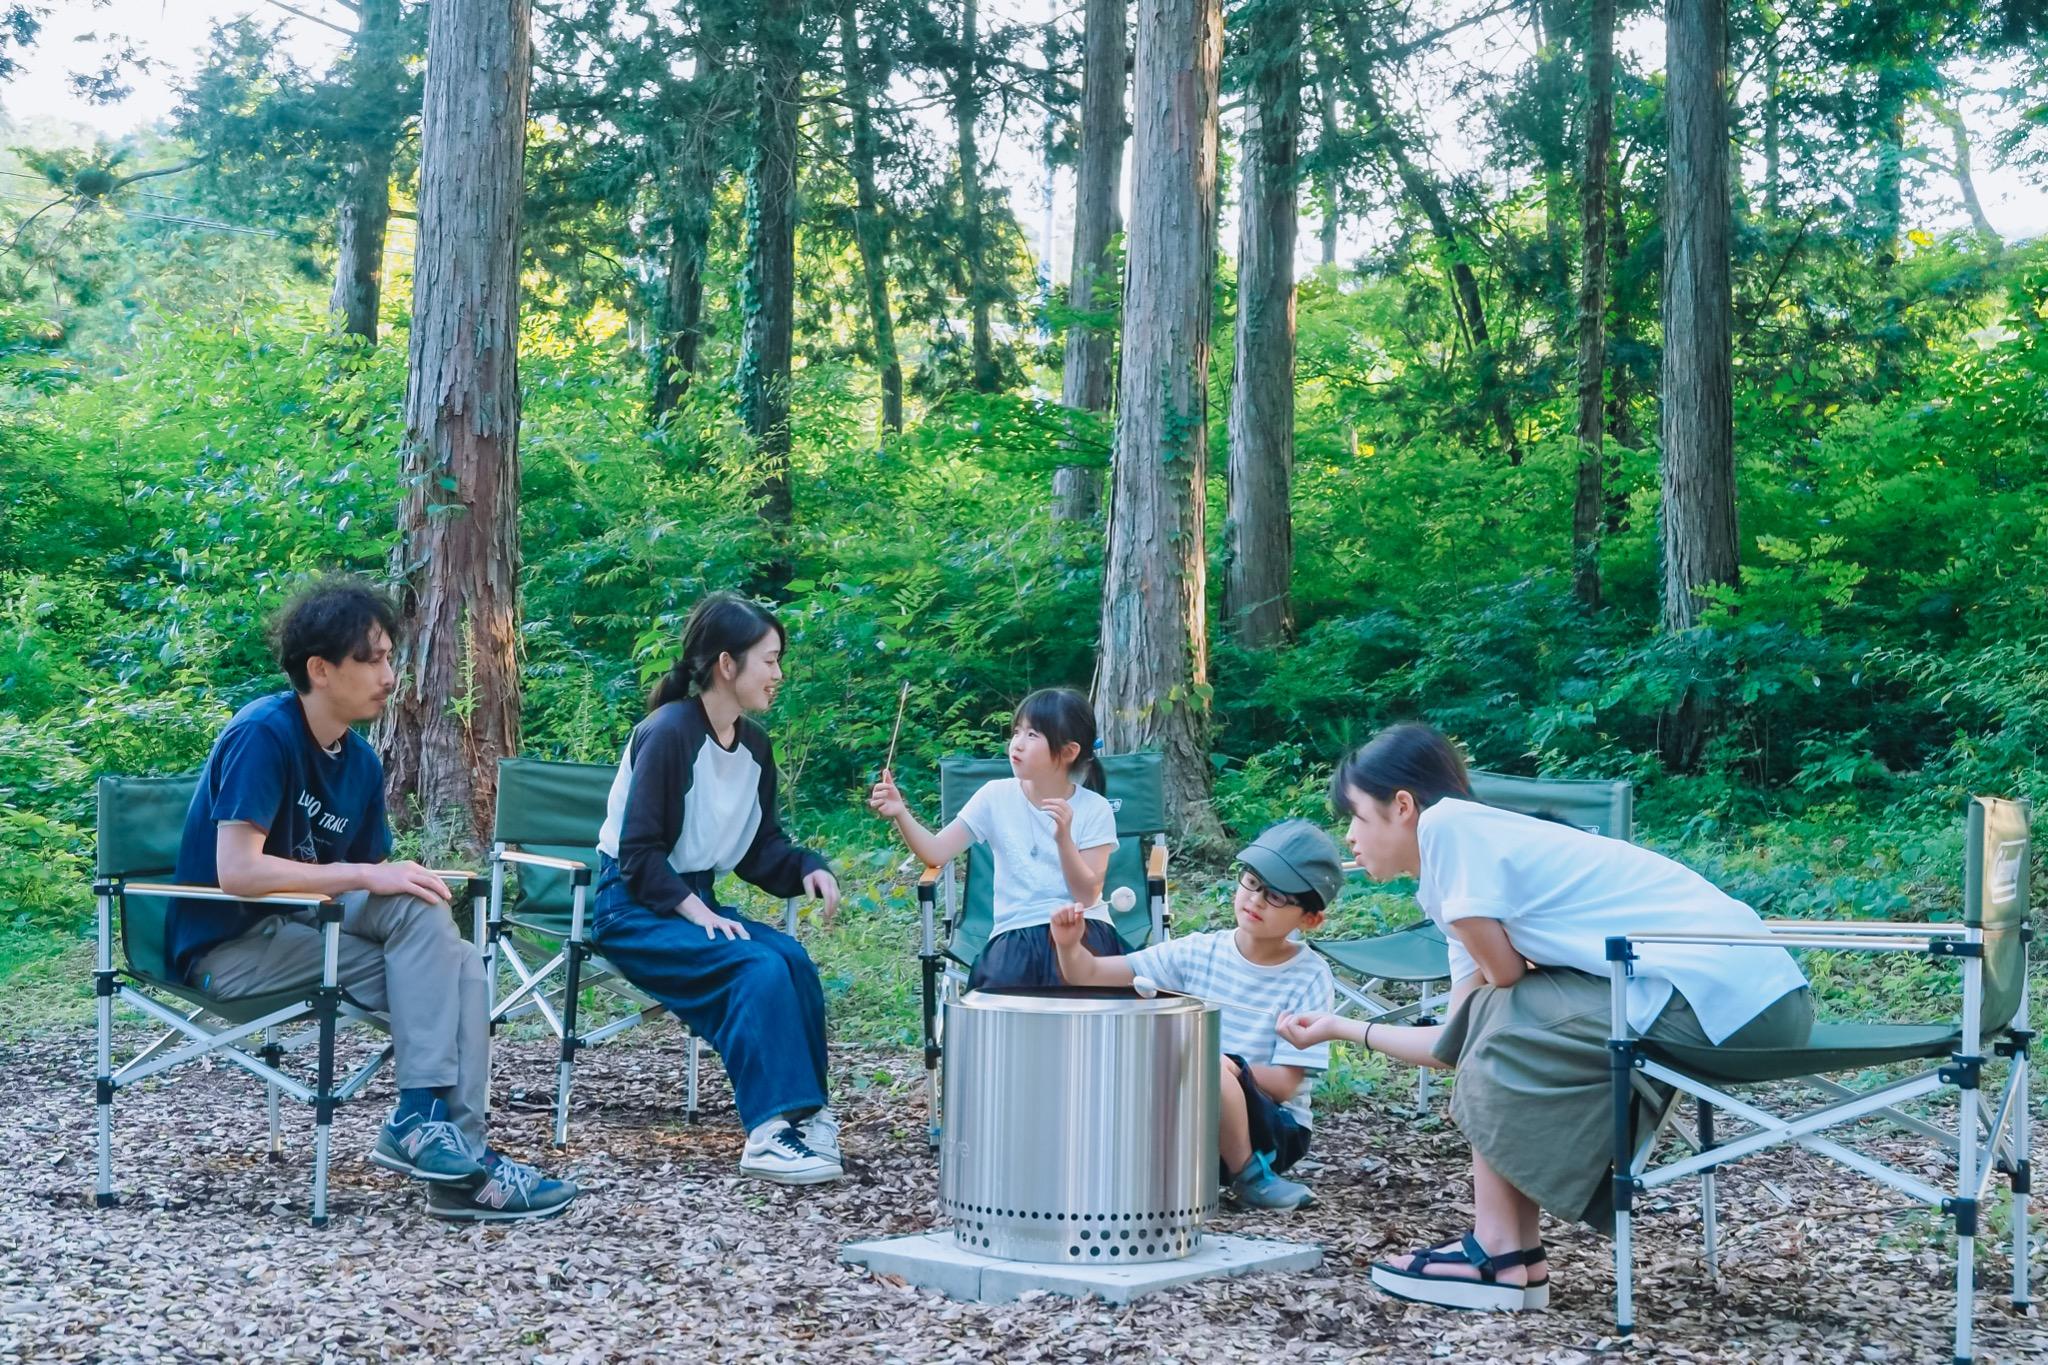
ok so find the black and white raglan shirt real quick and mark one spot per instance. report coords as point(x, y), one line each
point(685, 810)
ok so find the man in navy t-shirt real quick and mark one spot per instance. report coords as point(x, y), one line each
point(292, 799)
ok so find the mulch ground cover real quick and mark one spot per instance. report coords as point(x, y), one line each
point(671, 1256)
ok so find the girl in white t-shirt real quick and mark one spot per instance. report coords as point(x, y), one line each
point(1527, 905)
point(1049, 831)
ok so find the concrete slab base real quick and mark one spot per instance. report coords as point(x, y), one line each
point(932, 1260)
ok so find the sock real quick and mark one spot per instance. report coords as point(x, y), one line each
point(417, 1102)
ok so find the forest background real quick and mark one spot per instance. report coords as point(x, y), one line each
point(207, 329)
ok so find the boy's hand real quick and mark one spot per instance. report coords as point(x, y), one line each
point(883, 798)
point(1068, 923)
point(1307, 1030)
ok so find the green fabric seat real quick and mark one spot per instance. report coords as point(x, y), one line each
point(1135, 785)
point(1833, 1047)
point(141, 824)
point(1416, 953)
point(555, 810)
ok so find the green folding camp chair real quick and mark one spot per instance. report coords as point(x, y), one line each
point(1417, 956)
point(1989, 946)
point(141, 822)
point(549, 816)
point(1136, 787)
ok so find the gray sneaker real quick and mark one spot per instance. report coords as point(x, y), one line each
point(1258, 1186)
point(509, 1191)
point(820, 1133)
point(427, 1147)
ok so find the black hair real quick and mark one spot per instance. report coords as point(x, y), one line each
point(1410, 758)
point(723, 623)
point(330, 620)
point(1064, 717)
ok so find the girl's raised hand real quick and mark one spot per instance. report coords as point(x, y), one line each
point(1068, 924)
point(1307, 1030)
point(1062, 813)
point(883, 798)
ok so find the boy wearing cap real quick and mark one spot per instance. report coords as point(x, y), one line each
point(1257, 974)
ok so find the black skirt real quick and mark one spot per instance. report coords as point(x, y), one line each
point(1025, 958)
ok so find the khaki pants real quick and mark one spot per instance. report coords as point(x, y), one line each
point(398, 954)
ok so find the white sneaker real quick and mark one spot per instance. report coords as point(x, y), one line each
point(776, 1151)
point(820, 1133)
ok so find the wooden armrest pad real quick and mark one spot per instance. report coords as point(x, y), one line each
point(930, 875)
point(214, 893)
point(513, 855)
point(1155, 861)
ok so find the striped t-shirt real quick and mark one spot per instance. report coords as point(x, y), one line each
point(1252, 998)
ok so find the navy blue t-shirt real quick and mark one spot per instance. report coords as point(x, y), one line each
point(266, 769)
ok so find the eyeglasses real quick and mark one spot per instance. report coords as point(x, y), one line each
point(1274, 899)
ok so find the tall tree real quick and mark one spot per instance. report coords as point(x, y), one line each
point(1589, 502)
point(768, 292)
point(1153, 687)
point(1258, 532)
point(1698, 470)
point(456, 562)
point(967, 101)
point(1085, 379)
point(699, 156)
point(376, 75)
point(870, 224)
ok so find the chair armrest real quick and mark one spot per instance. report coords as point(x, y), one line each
point(928, 880)
point(1155, 863)
point(452, 874)
point(1916, 943)
point(513, 855)
point(1873, 928)
point(302, 899)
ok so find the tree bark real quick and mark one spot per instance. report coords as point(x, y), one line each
point(1621, 418)
point(1085, 378)
point(870, 226)
point(1331, 195)
point(1698, 472)
point(1553, 91)
point(966, 113)
point(1773, 125)
point(1154, 676)
point(768, 290)
point(1258, 531)
point(376, 72)
point(456, 711)
point(1589, 502)
point(695, 184)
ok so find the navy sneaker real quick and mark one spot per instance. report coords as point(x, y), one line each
point(427, 1147)
point(509, 1191)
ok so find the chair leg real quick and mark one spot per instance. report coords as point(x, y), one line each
point(1710, 1227)
point(566, 1067)
point(103, 991)
point(930, 966)
point(273, 1056)
point(2022, 1181)
point(690, 1100)
point(327, 1006)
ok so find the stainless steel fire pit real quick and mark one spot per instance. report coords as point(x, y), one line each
point(1080, 1124)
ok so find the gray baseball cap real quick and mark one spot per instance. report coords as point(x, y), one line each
point(1295, 856)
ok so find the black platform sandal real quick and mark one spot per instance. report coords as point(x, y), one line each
point(1411, 1281)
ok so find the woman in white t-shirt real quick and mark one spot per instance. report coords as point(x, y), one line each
point(1527, 905)
point(1049, 831)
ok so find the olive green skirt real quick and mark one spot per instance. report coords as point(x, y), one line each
point(1534, 1093)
